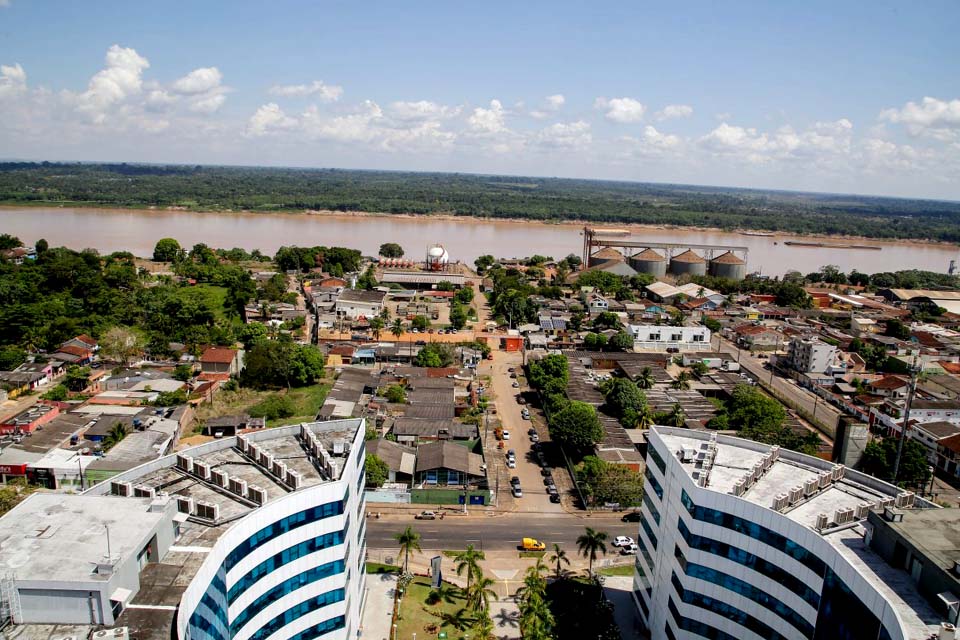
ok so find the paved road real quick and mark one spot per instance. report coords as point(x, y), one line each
point(796, 397)
point(501, 532)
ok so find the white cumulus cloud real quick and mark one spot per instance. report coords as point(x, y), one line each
point(488, 120)
point(556, 101)
point(13, 80)
point(421, 110)
point(269, 117)
point(198, 81)
point(674, 111)
point(931, 117)
point(324, 92)
point(119, 80)
point(622, 110)
point(566, 135)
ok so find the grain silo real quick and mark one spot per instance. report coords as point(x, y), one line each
point(607, 254)
point(688, 263)
point(649, 261)
point(728, 265)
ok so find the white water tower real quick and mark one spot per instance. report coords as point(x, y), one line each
point(437, 257)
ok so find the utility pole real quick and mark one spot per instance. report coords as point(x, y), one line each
point(906, 418)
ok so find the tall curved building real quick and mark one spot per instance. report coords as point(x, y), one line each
point(253, 537)
point(743, 540)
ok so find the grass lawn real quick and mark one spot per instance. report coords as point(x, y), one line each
point(306, 400)
point(377, 567)
point(621, 570)
point(450, 553)
point(214, 296)
point(532, 554)
point(418, 617)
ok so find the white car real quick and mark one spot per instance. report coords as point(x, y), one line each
point(623, 541)
point(628, 550)
point(511, 463)
point(506, 434)
point(517, 492)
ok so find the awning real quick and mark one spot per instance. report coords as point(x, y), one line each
point(121, 595)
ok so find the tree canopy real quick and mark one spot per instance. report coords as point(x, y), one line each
point(576, 426)
point(282, 363)
point(391, 250)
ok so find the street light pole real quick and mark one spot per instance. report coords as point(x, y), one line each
point(906, 419)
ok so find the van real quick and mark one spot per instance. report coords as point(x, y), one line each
point(532, 544)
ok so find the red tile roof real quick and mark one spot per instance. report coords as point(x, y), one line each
point(223, 355)
point(950, 367)
point(888, 382)
point(80, 352)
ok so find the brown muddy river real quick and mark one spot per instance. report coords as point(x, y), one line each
point(135, 230)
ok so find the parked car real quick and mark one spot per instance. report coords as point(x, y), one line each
point(629, 550)
point(506, 434)
point(511, 453)
point(513, 375)
point(531, 431)
point(535, 438)
point(622, 541)
point(555, 498)
point(520, 400)
point(511, 369)
point(633, 516)
point(426, 515)
point(517, 492)
point(515, 480)
point(511, 463)
point(547, 480)
point(515, 385)
point(551, 489)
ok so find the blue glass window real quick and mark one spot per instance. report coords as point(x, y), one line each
point(844, 616)
point(282, 526)
point(758, 564)
point(214, 599)
point(771, 538)
point(653, 483)
point(695, 626)
point(648, 530)
point(318, 630)
point(653, 510)
point(298, 611)
point(287, 586)
point(747, 590)
point(725, 610)
point(278, 560)
point(657, 459)
point(643, 551)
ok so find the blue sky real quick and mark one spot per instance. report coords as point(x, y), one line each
point(853, 97)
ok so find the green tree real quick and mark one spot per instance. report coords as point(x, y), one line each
point(446, 592)
point(594, 341)
point(592, 543)
point(13, 493)
point(646, 380)
point(682, 381)
point(607, 320)
point(8, 241)
point(677, 417)
point(896, 328)
point(391, 250)
point(167, 250)
point(57, 393)
point(376, 469)
point(122, 344)
point(458, 316)
point(484, 262)
point(41, 246)
point(434, 354)
point(420, 323)
point(282, 363)
point(479, 593)
point(622, 395)
point(397, 328)
point(469, 562)
point(183, 372)
point(879, 459)
point(117, 433)
point(576, 426)
point(536, 619)
point(623, 341)
point(77, 378)
point(559, 558)
point(11, 357)
point(396, 394)
point(551, 367)
point(409, 541)
point(464, 295)
point(376, 327)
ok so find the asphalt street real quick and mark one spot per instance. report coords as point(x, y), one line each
point(494, 533)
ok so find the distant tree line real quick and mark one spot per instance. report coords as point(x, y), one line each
point(273, 189)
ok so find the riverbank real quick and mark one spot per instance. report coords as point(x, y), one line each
point(775, 236)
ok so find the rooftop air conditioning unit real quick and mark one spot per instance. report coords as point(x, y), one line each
point(810, 486)
point(822, 521)
point(843, 516)
point(863, 509)
point(739, 487)
point(184, 463)
point(121, 488)
point(838, 472)
point(304, 432)
point(208, 511)
point(339, 447)
point(780, 501)
point(826, 479)
point(795, 494)
point(947, 631)
point(886, 502)
point(185, 504)
point(144, 492)
point(219, 478)
point(266, 459)
point(242, 444)
point(257, 494)
point(238, 486)
point(905, 500)
point(775, 451)
point(702, 482)
point(279, 469)
point(294, 479)
point(201, 470)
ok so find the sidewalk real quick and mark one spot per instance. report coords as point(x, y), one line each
point(378, 610)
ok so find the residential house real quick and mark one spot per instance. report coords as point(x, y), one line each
point(227, 426)
point(596, 303)
point(17, 383)
point(758, 337)
point(221, 361)
point(662, 337)
point(448, 464)
point(892, 387)
point(30, 420)
point(400, 460)
point(811, 355)
point(358, 303)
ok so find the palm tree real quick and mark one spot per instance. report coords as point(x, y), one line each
point(646, 380)
point(409, 541)
point(117, 433)
point(397, 328)
point(677, 417)
point(446, 592)
point(469, 561)
point(479, 594)
point(560, 558)
point(484, 627)
point(536, 620)
point(590, 544)
point(376, 326)
point(682, 383)
point(458, 619)
point(644, 417)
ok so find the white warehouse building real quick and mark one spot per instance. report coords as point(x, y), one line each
point(747, 541)
point(245, 538)
point(655, 337)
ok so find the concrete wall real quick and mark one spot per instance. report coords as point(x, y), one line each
point(61, 606)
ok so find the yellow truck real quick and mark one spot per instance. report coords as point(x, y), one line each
point(532, 544)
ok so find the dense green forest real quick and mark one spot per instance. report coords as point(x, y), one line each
point(267, 189)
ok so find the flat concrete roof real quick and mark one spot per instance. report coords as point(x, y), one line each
point(53, 536)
